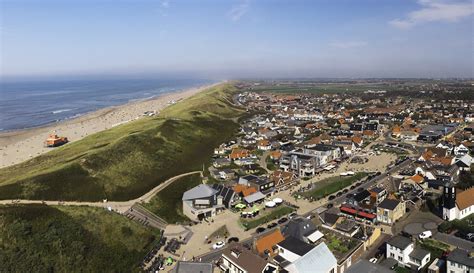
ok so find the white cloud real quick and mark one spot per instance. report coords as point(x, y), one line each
point(348, 44)
point(238, 11)
point(435, 10)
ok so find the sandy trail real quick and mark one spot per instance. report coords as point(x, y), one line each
point(21, 145)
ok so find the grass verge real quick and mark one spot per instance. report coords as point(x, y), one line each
point(331, 185)
point(273, 215)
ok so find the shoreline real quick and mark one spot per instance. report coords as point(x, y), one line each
point(17, 146)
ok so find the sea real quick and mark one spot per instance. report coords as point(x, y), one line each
point(27, 104)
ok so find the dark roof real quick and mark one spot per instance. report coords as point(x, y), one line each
point(377, 189)
point(281, 261)
point(399, 242)
point(364, 266)
point(299, 228)
point(226, 192)
point(461, 256)
point(193, 267)
point(419, 253)
point(296, 246)
point(330, 218)
point(389, 204)
point(361, 195)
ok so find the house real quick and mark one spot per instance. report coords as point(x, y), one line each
point(192, 267)
point(283, 179)
point(359, 198)
point(263, 184)
point(460, 150)
point(221, 162)
point(377, 195)
point(201, 202)
point(239, 154)
point(464, 162)
point(238, 259)
point(318, 260)
point(390, 210)
point(291, 249)
point(364, 266)
point(457, 204)
point(460, 261)
point(266, 245)
point(264, 145)
point(302, 229)
point(403, 250)
point(227, 193)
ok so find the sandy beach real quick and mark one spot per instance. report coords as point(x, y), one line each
point(18, 146)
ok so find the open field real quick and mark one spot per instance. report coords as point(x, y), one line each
point(331, 185)
point(68, 239)
point(168, 204)
point(126, 161)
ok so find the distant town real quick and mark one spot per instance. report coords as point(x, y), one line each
point(366, 181)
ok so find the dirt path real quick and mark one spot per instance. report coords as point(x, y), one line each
point(120, 206)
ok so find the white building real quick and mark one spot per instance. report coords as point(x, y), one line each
point(460, 261)
point(457, 204)
point(403, 250)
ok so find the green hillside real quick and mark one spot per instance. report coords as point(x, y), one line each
point(38, 238)
point(125, 162)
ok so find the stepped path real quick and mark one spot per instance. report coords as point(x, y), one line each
point(119, 206)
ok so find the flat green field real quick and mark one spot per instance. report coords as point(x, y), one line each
point(126, 161)
point(39, 238)
point(168, 204)
point(331, 185)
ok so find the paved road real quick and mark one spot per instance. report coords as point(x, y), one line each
point(454, 241)
point(120, 206)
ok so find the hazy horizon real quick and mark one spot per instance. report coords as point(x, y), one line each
point(237, 39)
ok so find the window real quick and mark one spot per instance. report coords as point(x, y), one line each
point(392, 255)
point(400, 258)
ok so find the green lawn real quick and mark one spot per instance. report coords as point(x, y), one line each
point(168, 202)
point(275, 213)
point(126, 161)
point(39, 238)
point(331, 185)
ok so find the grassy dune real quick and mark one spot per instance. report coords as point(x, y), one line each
point(168, 203)
point(40, 238)
point(124, 162)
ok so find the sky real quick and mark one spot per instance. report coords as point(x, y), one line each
point(237, 38)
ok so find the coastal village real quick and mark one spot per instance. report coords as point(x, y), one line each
point(332, 183)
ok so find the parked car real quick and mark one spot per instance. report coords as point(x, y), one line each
point(331, 197)
point(373, 260)
point(330, 205)
point(233, 239)
point(282, 220)
point(292, 215)
point(260, 229)
point(218, 245)
point(272, 225)
point(425, 234)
